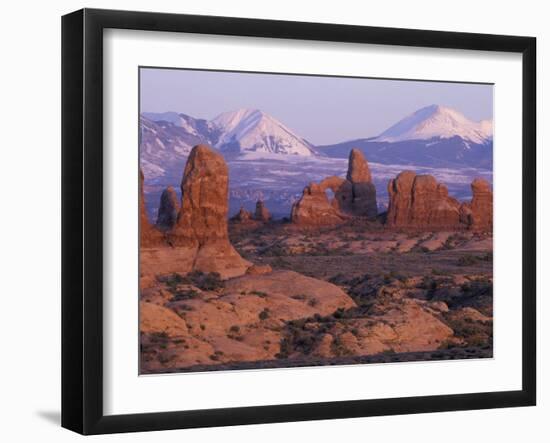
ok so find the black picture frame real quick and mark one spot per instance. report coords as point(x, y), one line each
point(82, 218)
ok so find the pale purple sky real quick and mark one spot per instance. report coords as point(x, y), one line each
point(323, 110)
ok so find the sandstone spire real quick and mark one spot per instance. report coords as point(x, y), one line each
point(202, 219)
point(363, 190)
point(148, 235)
point(168, 209)
point(262, 213)
point(358, 167)
point(481, 205)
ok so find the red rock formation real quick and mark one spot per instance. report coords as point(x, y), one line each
point(262, 213)
point(342, 191)
point(204, 193)
point(363, 190)
point(168, 209)
point(148, 235)
point(418, 201)
point(201, 226)
point(243, 216)
point(358, 167)
point(314, 208)
point(481, 206)
point(354, 196)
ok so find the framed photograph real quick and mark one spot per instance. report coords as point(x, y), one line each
point(269, 221)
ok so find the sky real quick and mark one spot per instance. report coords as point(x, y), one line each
point(323, 110)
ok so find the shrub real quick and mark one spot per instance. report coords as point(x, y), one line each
point(235, 328)
point(298, 297)
point(264, 314)
point(467, 260)
point(185, 295)
point(313, 302)
point(438, 272)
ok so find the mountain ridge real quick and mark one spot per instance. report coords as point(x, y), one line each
point(434, 136)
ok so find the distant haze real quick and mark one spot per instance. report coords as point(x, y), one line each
point(324, 110)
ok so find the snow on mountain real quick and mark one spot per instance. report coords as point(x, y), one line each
point(437, 122)
point(251, 130)
point(193, 126)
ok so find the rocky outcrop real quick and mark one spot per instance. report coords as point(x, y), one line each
point(418, 201)
point(168, 209)
point(481, 206)
point(243, 322)
point(200, 238)
point(204, 191)
point(315, 209)
point(148, 235)
point(353, 196)
point(243, 216)
point(262, 213)
point(363, 198)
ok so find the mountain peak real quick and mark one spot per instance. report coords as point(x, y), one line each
point(436, 121)
point(252, 130)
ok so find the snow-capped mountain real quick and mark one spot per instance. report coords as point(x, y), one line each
point(167, 139)
point(434, 136)
point(251, 130)
point(437, 122)
point(192, 126)
point(268, 160)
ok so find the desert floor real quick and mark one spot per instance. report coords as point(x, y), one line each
point(326, 296)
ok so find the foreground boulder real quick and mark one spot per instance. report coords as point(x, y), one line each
point(419, 201)
point(168, 209)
